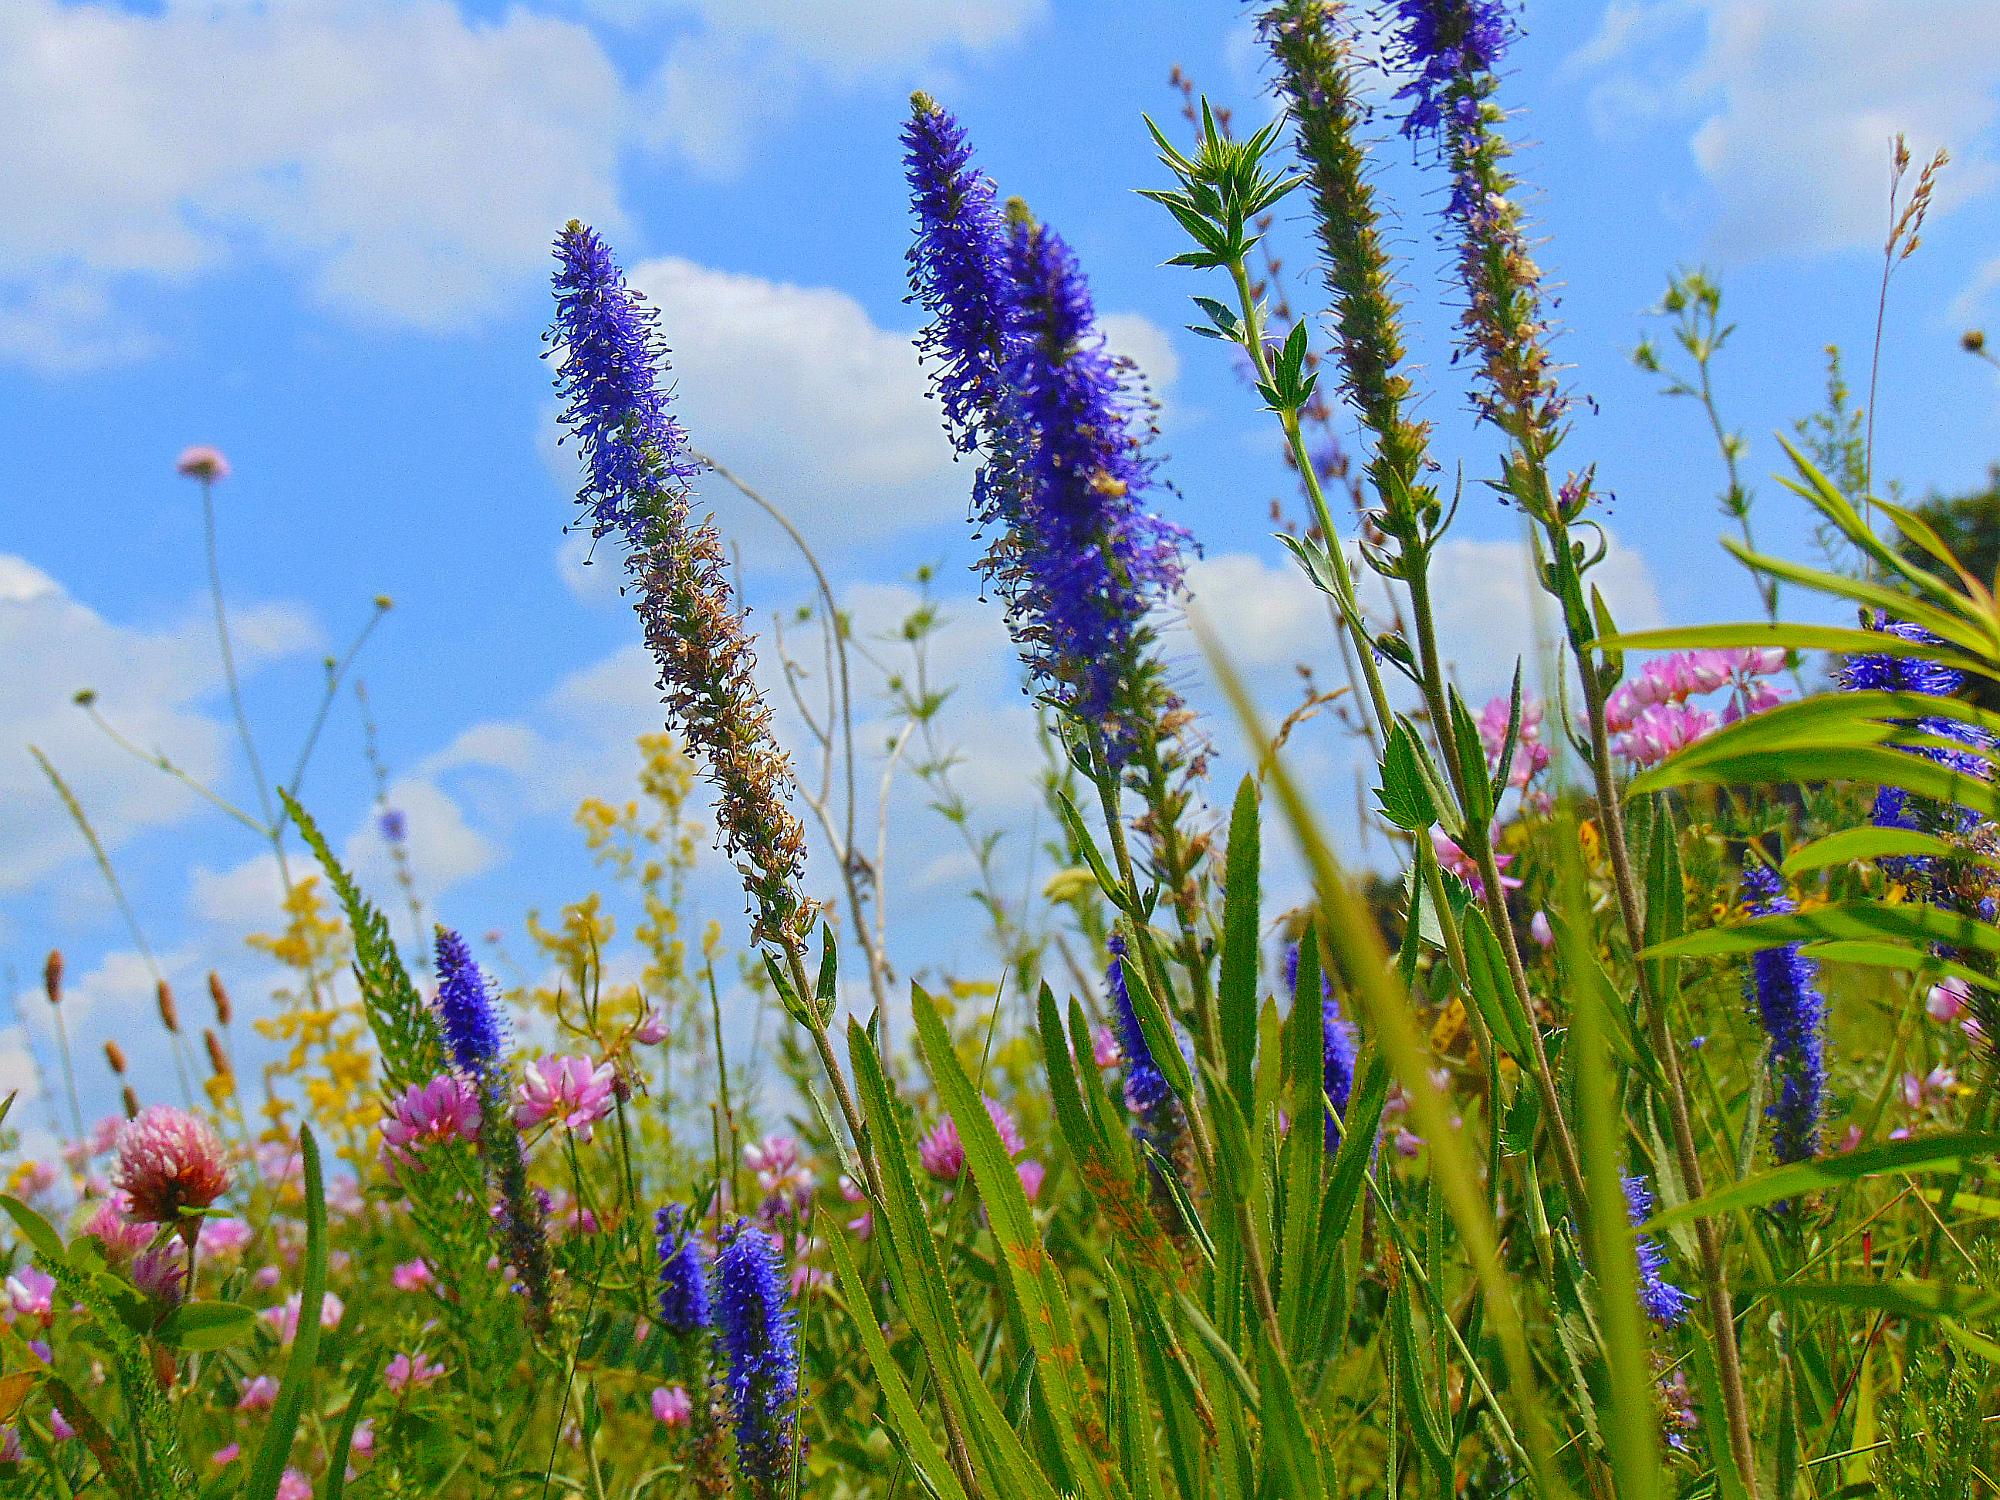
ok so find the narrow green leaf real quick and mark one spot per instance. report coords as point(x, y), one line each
point(1951, 1151)
point(1875, 843)
point(1154, 1023)
point(1894, 956)
point(909, 1424)
point(269, 1466)
point(1492, 987)
point(1903, 1299)
point(1114, 890)
point(1863, 921)
point(1236, 990)
point(343, 1438)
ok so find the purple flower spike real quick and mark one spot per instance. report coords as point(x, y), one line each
point(1783, 985)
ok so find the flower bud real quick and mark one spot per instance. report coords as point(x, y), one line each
point(115, 1055)
point(217, 1058)
point(220, 996)
point(52, 975)
point(131, 1103)
point(170, 1015)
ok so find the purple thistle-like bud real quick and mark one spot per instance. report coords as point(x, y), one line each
point(465, 1008)
point(1783, 984)
point(1337, 1045)
point(755, 1319)
point(636, 457)
point(685, 1304)
point(1665, 1303)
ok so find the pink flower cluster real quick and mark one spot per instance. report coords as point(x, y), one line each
point(1531, 756)
point(787, 1184)
point(1461, 864)
point(430, 1114)
point(169, 1162)
point(120, 1237)
point(942, 1154)
point(284, 1319)
point(1650, 716)
point(572, 1091)
point(406, 1371)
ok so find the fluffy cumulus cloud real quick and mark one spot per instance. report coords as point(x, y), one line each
point(407, 159)
point(1791, 104)
point(154, 685)
point(1487, 605)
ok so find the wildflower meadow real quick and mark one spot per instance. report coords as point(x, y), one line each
point(1618, 1121)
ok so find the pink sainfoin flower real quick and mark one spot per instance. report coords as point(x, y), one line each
point(1531, 756)
point(59, 1426)
point(1541, 931)
point(120, 1237)
point(787, 1184)
point(406, 1372)
point(1460, 864)
point(1948, 999)
point(942, 1154)
point(260, 1393)
point(362, 1443)
point(284, 1319)
point(1104, 1048)
point(30, 1293)
point(430, 1114)
point(104, 1135)
point(652, 1029)
point(1669, 681)
point(410, 1275)
point(293, 1485)
point(228, 1453)
point(224, 1237)
point(1661, 730)
point(202, 462)
point(572, 1091)
point(672, 1405)
point(33, 1178)
point(161, 1273)
point(169, 1162)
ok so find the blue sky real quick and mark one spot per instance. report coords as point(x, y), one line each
point(316, 236)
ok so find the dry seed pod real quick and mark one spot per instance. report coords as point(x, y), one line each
point(220, 996)
point(52, 973)
point(170, 1015)
point(115, 1055)
point(217, 1058)
point(131, 1103)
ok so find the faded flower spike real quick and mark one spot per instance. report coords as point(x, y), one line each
point(170, 1163)
point(755, 1318)
point(638, 466)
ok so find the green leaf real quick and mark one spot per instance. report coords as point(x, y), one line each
point(1492, 987)
point(912, 1429)
point(1475, 792)
point(1114, 891)
point(826, 987)
point(37, 1231)
point(1236, 990)
point(1893, 956)
point(1907, 1298)
point(207, 1325)
point(1876, 843)
point(269, 1466)
point(343, 1438)
point(1153, 1022)
point(1405, 793)
point(1785, 634)
point(1867, 921)
point(1952, 1151)
point(1072, 1120)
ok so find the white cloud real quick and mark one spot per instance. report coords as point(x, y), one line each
point(411, 162)
point(1796, 101)
point(1487, 608)
point(150, 684)
point(798, 391)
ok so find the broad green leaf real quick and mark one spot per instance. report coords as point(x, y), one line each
point(1875, 843)
point(1492, 986)
point(1864, 921)
point(1236, 990)
point(1893, 956)
point(1405, 794)
point(1906, 1298)
point(37, 1231)
point(1951, 1151)
point(207, 1325)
